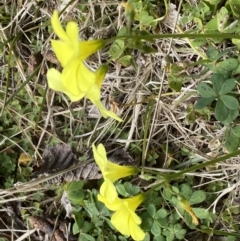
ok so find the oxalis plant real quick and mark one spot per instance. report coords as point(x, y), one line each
point(220, 94)
point(162, 209)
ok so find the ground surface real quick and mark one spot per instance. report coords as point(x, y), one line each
point(159, 128)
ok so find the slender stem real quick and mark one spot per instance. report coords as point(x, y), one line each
point(202, 165)
point(179, 35)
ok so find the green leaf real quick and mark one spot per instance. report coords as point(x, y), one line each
point(125, 60)
point(221, 111)
point(212, 53)
point(222, 19)
point(228, 86)
point(167, 194)
point(201, 213)
point(156, 229)
point(145, 18)
point(198, 42)
point(231, 141)
point(121, 189)
point(181, 234)
point(186, 191)
point(151, 209)
point(86, 237)
point(147, 221)
point(232, 27)
point(232, 115)
point(174, 82)
point(76, 196)
point(169, 235)
point(203, 102)
point(161, 213)
point(235, 7)
point(159, 238)
point(236, 131)
point(236, 42)
point(117, 48)
point(230, 102)
point(74, 186)
point(131, 189)
point(228, 65)
point(79, 221)
point(217, 81)
point(197, 197)
point(205, 90)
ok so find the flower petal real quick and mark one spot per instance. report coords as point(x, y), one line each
point(120, 220)
point(90, 47)
point(104, 112)
point(100, 75)
point(108, 191)
point(72, 33)
point(63, 51)
point(70, 77)
point(135, 201)
point(100, 156)
point(114, 171)
point(135, 231)
point(57, 27)
point(86, 78)
point(54, 78)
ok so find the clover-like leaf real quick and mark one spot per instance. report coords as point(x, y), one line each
point(201, 213)
point(151, 209)
point(236, 131)
point(221, 111)
point(231, 141)
point(227, 65)
point(156, 229)
point(203, 102)
point(161, 213)
point(232, 115)
point(206, 90)
point(222, 19)
point(197, 197)
point(230, 102)
point(228, 86)
point(217, 82)
point(212, 53)
point(186, 190)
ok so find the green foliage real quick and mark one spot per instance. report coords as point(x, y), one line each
point(162, 220)
point(226, 108)
point(218, 94)
point(74, 191)
point(210, 17)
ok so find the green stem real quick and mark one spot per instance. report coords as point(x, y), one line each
point(173, 176)
point(179, 35)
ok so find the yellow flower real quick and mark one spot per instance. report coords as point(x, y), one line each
point(111, 171)
point(69, 46)
point(77, 81)
point(125, 220)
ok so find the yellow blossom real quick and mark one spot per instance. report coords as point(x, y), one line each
point(77, 81)
point(111, 171)
point(69, 46)
point(125, 220)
